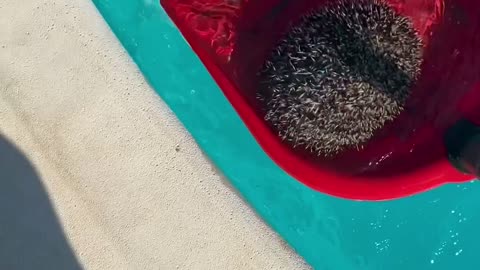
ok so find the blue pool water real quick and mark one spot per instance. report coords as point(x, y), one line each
point(434, 230)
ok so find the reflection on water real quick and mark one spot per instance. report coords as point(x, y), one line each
point(212, 20)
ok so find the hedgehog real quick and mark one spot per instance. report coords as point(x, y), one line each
point(339, 75)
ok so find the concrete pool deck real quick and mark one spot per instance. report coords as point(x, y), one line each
point(125, 181)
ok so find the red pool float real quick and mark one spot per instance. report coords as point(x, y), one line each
point(415, 153)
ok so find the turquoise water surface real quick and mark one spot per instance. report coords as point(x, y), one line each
point(434, 230)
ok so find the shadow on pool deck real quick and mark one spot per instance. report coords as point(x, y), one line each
point(31, 236)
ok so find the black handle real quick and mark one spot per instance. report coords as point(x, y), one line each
point(462, 142)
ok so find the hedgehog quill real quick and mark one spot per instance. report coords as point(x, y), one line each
point(339, 75)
